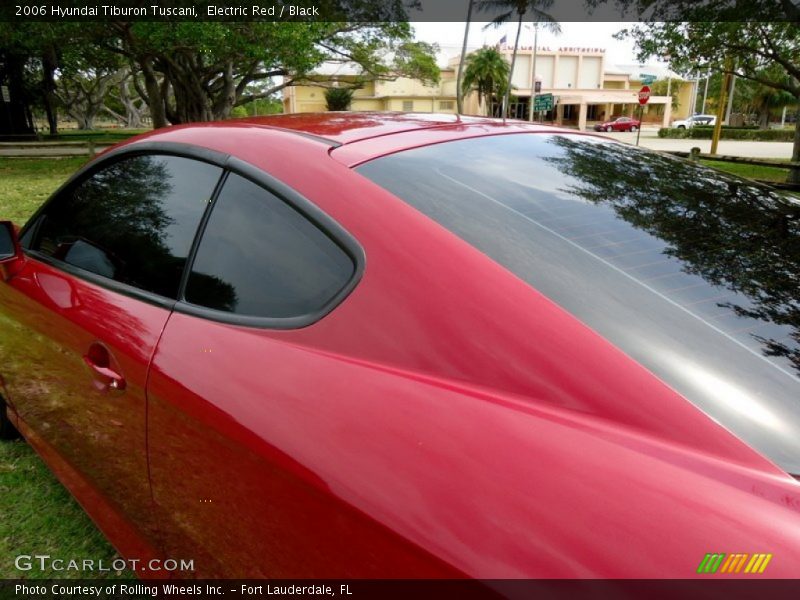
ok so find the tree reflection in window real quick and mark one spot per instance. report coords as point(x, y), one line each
point(732, 233)
point(133, 221)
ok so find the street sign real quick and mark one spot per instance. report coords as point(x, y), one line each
point(543, 102)
point(644, 95)
point(646, 78)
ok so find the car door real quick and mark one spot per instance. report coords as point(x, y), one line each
point(80, 322)
point(229, 391)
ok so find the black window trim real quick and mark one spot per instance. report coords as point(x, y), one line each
point(229, 164)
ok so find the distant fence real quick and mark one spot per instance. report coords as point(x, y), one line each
point(54, 149)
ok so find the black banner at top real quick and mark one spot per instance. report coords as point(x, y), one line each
point(394, 10)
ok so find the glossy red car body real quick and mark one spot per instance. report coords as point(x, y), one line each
point(619, 124)
point(445, 420)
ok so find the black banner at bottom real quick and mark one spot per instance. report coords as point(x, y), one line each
point(415, 589)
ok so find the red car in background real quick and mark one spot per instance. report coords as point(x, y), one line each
point(395, 345)
point(618, 124)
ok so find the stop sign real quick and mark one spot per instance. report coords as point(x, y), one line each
point(644, 95)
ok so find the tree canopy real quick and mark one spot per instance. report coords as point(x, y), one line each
point(200, 71)
point(767, 53)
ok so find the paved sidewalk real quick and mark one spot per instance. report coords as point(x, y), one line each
point(33, 149)
point(650, 139)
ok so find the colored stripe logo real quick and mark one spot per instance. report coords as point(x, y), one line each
point(719, 562)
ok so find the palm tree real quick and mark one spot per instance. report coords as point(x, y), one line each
point(537, 9)
point(487, 71)
point(459, 92)
point(764, 99)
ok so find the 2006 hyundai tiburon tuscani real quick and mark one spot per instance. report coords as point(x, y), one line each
point(357, 345)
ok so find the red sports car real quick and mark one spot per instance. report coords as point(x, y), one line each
point(392, 345)
point(619, 124)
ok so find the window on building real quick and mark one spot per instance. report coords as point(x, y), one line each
point(446, 105)
point(408, 105)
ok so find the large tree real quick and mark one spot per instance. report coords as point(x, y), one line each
point(766, 52)
point(124, 103)
point(201, 71)
point(37, 49)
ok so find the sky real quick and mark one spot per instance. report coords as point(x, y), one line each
point(449, 36)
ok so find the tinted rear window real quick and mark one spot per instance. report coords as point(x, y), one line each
point(260, 257)
point(693, 273)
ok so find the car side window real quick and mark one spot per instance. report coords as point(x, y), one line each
point(260, 257)
point(132, 221)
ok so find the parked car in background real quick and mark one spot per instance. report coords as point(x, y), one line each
point(618, 124)
point(694, 120)
point(356, 345)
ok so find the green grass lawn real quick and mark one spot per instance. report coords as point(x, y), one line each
point(25, 183)
point(39, 516)
point(749, 171)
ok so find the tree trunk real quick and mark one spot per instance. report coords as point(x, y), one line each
point(511, 71)
point(227, 97)
point(459, 92)
point(52, 116)
point(133, 113)
point(192, 100)
point(49, 97)
point(14, 118)
point(794, 172)
point(763, 118)
point(156, 100)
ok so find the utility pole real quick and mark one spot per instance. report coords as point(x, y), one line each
point(693, 96)
point(726, 83)
point(459, 77)
point(730, 101)
point(533, 82)
point(705, 94)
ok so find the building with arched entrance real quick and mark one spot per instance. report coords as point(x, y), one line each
point(585, 88)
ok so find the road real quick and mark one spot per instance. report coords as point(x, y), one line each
point(650, 139)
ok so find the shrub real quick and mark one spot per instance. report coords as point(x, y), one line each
point(338, 98)
point(729, 133)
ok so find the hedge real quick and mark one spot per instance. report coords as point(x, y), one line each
point(729, 133)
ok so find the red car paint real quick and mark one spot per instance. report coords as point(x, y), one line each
point(445, 420)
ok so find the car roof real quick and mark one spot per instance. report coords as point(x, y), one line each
point(347, 127)
point(355, 136)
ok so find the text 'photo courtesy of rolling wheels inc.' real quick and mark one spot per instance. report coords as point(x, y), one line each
point(400, 299)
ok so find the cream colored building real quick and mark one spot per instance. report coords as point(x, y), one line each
point(401, 94)
point(586, 89)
